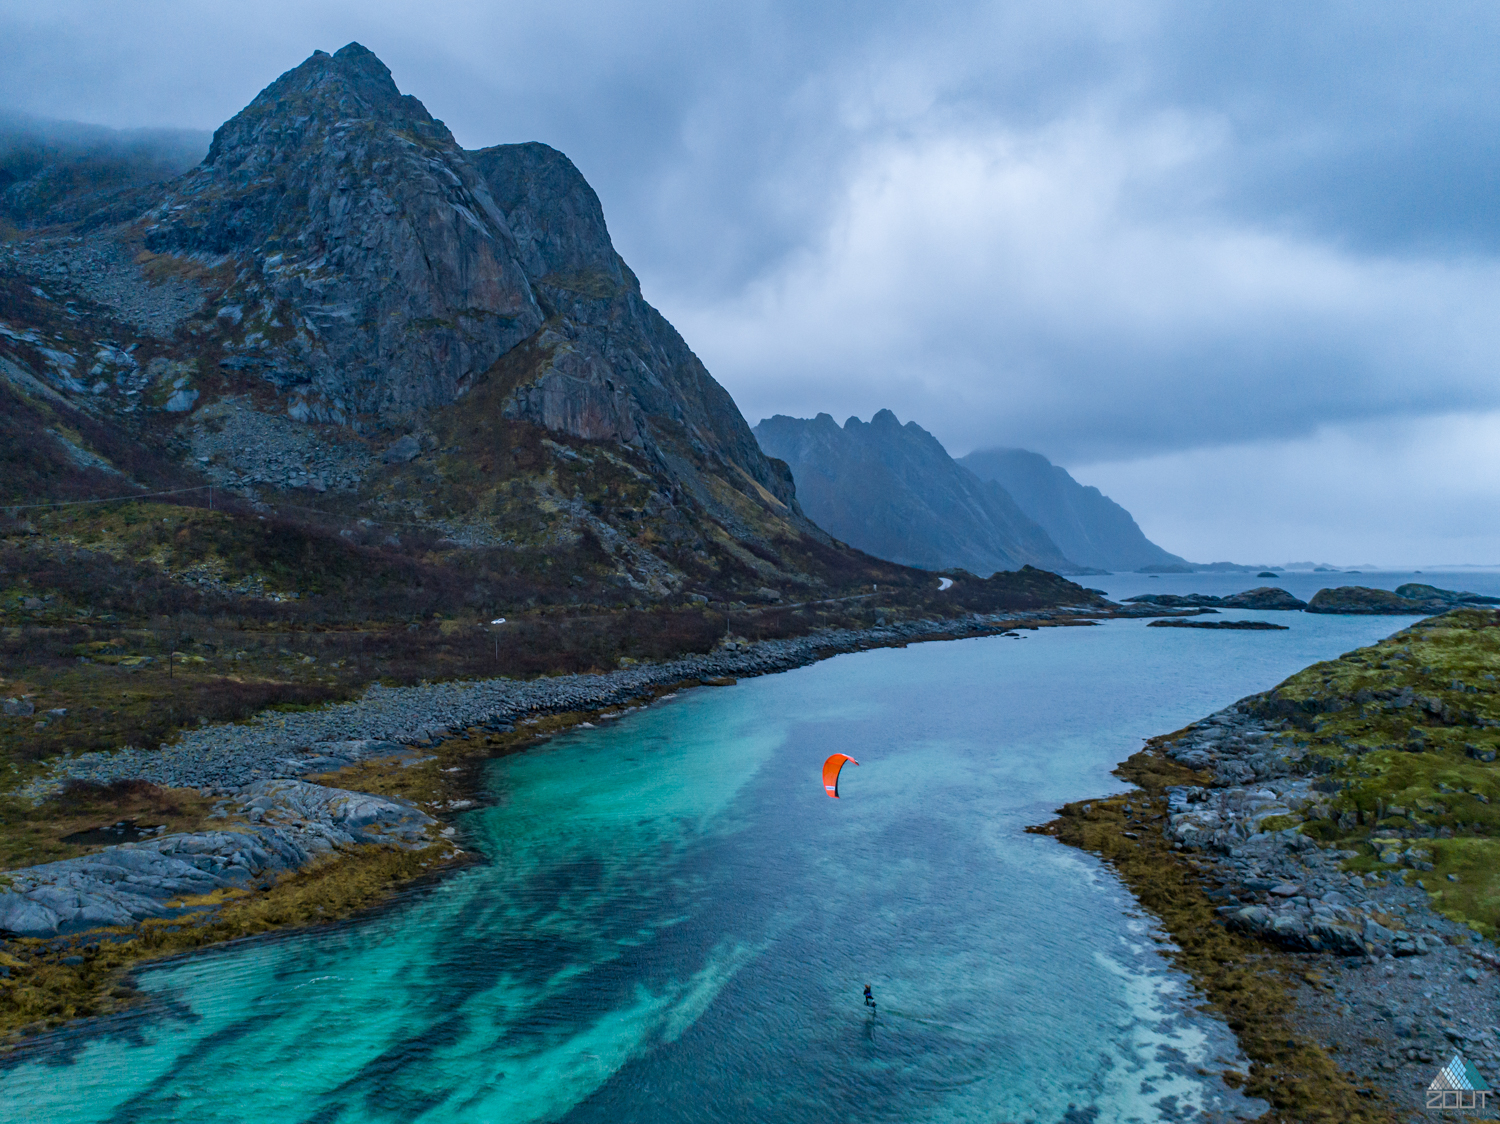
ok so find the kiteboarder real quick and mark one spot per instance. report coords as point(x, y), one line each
point(869, 997)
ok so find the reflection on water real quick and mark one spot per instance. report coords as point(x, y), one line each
point(675, 923)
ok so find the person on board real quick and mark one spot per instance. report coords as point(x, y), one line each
point(869, 997)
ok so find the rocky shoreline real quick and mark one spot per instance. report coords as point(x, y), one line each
point(1374, 988)
point(287, 824)
point(1418, 981)
point(282, 823)
point(224, 758)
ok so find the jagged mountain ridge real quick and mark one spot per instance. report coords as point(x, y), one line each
point(893, 491)
point(340, 299)
point(1088, 526)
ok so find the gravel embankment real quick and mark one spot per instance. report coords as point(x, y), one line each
point(225, 757)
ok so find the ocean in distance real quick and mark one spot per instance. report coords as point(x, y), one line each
point(674, 923)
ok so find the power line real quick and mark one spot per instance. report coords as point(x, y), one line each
point(107, 499)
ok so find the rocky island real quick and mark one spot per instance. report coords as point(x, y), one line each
point(1247, 626)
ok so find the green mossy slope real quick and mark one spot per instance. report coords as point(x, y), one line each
point(1409, 730)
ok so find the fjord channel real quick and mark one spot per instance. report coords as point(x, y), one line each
point(674, 923)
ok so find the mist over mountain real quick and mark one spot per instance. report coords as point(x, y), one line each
point(1088, 526)
point(893, 491)
point(55, 171)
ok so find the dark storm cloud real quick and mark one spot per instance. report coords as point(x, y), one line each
point(1108, 230)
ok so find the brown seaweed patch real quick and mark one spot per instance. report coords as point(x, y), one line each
point(1249, 985)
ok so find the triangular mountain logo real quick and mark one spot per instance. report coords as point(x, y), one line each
point(1458, 1085)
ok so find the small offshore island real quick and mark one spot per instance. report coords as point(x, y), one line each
point(1326, 858)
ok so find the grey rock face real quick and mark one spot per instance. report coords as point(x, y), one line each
point(376, 245)
point(893, 491)
point(610, 366)
point(1087, 526)
point(402, 450)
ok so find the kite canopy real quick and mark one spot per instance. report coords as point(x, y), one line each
point(831, 769)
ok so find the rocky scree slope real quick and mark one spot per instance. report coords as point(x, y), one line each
point(894, 492)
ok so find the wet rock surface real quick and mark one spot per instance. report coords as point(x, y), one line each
point(284, 825)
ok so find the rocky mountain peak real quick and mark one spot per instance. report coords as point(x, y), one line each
point(375, 274)
point(554, 216)
point(892, 490)
point(326, 91)
point(339, 259)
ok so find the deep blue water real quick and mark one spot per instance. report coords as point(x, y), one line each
point(675, 923)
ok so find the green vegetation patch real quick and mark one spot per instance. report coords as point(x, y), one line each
point(1410, 732)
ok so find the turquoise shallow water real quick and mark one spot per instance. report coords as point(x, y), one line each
point(675, 923)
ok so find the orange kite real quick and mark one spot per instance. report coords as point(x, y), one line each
point(831, 769)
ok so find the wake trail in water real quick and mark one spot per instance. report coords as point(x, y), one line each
point(967, 1033)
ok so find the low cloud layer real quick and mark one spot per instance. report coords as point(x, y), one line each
point(1398, 494)
point(1164, 243)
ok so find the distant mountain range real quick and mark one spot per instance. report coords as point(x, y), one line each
point(1087, 526)
point(893, 491)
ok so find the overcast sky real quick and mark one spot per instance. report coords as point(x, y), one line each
point(1236, 264)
